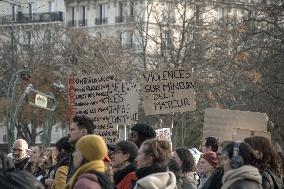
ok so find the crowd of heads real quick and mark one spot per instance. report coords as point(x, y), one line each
point(82, 153)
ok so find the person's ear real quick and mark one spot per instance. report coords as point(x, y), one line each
point(84, 132)
point(258, 154)
point(126, 157)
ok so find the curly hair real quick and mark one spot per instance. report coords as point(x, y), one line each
point(188, 164)
point(159, 150)
point(212, 142)
point(269, 157)
point(51, 156)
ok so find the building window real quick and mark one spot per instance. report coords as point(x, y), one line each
point(198, 13)
point(31, 9)
point(120, 9)
point(14, 12)
point(131, 9)
point(83, 20)
point(102, 17)
point(221, 14)
point(50, 6)
point(166, 40)
point(71, 20)
point(120, 17)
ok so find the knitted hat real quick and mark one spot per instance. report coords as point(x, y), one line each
point(211, 157)
point(92, 147)
point(127, 147)
point(144, 130)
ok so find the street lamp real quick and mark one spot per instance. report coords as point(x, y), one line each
point(21, 74)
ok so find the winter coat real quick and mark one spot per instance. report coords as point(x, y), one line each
point(161, 180)
point(61, 170)
point(20, 165)
point(60, 178)
point(124, 178)
point(187, 181)
point(214, 181)
point(242, 178)
point(87, 181)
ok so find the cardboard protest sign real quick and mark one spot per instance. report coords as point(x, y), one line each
point(123, 103)
point(106, 102)
point(220, 122)
point(168, 91)
point(88, 95)
point(163, 134)
point(241, 134)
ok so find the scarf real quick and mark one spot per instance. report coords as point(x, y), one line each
point(245, 172)
point(97, 165)
point(145, 171)
point(120, 174)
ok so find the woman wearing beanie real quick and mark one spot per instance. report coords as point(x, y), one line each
point(238, 161)
point(207, 164)
point(88, 161)
point(123, 164)
point(152, 160)
point(186, 179)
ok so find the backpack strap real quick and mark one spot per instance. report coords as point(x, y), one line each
point(277, 182)
point(103, 179)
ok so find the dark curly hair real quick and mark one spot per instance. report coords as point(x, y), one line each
point(212, 142)
point(269, 157)
point(188, 164)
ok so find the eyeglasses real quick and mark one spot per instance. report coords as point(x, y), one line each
point(117, 152)
point(17, 149)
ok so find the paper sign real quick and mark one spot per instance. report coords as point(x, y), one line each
point(41, 100)
point(168, 91)
point(163, 134)
point(123, 103)
point(106, 102)
point(88, 95)
point(220, 122)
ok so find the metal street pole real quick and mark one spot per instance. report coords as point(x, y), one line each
point(9, 105)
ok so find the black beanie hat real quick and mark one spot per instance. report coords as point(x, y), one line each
point(144, 130)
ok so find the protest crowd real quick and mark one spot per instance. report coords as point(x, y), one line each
point(83, 160)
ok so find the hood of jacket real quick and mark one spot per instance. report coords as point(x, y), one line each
point(245, 172)
point(161, 180)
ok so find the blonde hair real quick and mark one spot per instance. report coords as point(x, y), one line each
point(159, 150)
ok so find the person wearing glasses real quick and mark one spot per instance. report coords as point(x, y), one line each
point(123, 163)
point(20, 153)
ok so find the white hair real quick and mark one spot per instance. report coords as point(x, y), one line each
point(23, 143)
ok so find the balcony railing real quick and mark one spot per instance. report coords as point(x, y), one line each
point(83, 22)
point(71, 23)
point(119, 19)
point(100, 21)
point(31, 18)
